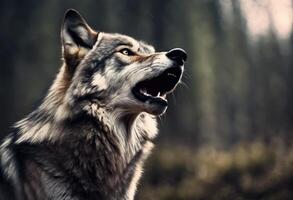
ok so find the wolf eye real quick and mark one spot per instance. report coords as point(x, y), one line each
point(127, 52)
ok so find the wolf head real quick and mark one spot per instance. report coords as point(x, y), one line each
point(117, 71)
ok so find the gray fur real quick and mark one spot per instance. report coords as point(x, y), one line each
point(90, 136)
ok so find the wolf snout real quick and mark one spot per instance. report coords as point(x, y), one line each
point(178, 55)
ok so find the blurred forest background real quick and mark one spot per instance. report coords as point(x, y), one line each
point(227, 133)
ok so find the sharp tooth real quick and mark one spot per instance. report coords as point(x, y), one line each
point(143, 91)
point(158, 94)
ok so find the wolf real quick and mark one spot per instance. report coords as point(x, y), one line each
point(94, 129)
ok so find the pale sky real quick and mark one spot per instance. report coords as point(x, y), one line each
point(260, 13)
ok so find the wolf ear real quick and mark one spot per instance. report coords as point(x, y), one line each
point(77, 37)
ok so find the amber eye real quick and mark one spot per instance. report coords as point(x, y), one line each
point(126, 52)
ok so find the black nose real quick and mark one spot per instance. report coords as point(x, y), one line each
point(178, 55)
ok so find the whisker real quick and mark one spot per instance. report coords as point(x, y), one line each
point(160, 118)
point(187, 76)
point(185, 85)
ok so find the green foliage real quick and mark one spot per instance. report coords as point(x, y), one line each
point(248, 171)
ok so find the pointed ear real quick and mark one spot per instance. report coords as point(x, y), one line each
point(76, 36)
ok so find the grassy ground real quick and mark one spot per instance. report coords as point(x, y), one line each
point(248, 171)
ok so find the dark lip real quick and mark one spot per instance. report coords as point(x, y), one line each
point(164, 83)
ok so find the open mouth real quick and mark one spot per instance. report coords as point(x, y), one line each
point(155, 89)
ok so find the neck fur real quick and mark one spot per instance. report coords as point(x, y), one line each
point(43, 124)
point(131, 130)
